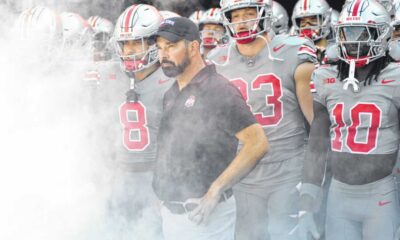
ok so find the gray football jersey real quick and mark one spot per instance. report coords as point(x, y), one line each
point(132, 127)
point(364, 122)
point(267, 84)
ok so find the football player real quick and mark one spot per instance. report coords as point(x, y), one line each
point(130, 109)
point(102, 32)
point(280, 19)
point(312, 19)
point(77, 33)
point(273, 77)
point(356, 109)
point(212, 30)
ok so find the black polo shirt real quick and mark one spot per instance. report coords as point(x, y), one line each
point(196, 139)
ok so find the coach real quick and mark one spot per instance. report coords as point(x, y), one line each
point(204, 118)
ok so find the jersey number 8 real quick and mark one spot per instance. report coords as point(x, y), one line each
point(138, 125)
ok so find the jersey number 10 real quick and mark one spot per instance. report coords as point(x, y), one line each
point(374, 114)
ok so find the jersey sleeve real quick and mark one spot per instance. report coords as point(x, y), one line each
point(307, 53)
point(234, 114)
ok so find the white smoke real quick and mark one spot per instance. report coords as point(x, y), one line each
point(47, 168)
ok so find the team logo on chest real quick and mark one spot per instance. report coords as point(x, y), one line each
point(190, 101)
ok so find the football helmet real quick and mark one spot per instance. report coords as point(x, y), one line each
point(334, 20)
point(196, 16)
point(100, 24)
point(362, 32)
point(257, 26)
point(211, 38)
point(138, 22)
point(312, 8)
point(168, 14)
point(76, 30)
point(280, 18)
point(40, 29)
point(388, 5)
point(102, 32)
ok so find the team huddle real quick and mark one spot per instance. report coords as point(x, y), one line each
point(326, 93)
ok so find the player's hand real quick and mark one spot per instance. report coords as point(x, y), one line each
point(206, 206)
point(307, 226)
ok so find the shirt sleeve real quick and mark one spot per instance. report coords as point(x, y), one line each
point(234, 114)
point(307, 53)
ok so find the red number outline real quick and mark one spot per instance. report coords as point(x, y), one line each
point(273, 99)
point(140, 125)
point(371, 142)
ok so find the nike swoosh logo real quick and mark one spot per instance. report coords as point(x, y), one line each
point(275, 49)
point(163, 81)
point(385, 81)
point(380, 203)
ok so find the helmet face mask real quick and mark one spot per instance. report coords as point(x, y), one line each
point(137, 61)
point(212, 30)
point(320, 11)
point(261, 23)
point(211, 38)
point(314, 29)
point(361, 42)
point(362, 32)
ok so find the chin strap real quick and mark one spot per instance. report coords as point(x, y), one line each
point(351, 80)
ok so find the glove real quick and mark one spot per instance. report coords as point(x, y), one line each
point(307, 226)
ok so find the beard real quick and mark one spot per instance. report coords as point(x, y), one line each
point(175, 70)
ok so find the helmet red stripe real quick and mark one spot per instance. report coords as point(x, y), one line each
point(95, 21)
point(356, 7)
point(305, 3)
point(128, 17)
point(212, 12)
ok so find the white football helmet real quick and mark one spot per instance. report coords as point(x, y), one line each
point(211, 38)
point(40, 29)
point(362, 32)
point(334, 20)
point(100, 24)
point(76, 30)
point(262, 23)
point(137, 22)
point(168, 14)
point(102, 33)
point(312, 8)
point(196, 16)
point(280, 18)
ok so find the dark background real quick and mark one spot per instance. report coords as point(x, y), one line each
point(186, 7)
point(111, 9)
